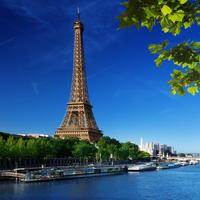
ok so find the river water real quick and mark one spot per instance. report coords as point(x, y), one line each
point(172, 184)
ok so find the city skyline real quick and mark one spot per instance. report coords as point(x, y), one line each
point(36, 49)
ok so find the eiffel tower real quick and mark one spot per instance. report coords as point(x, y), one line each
point(79, 120)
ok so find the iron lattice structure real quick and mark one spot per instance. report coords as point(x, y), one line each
point(79, 120)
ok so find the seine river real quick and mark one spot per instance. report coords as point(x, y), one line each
point(173, 184)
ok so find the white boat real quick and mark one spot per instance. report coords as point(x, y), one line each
point(142, 167)
point(183, 163)
point(163, 166)
point(193, 162)
point(169, 165)
point(173, 165)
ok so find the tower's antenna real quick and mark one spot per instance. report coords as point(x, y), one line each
point(78, 13)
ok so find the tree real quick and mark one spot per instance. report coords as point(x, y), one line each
point(142, 155)
point(130, 149)
point(107, 148)
point(20, 148)
point(10, 147)
point(84, 150)
point(124, 152)
point(31, 148)
point(63, 147)
point(43, 148)
point(181, 155)
point(102, 149)
point(172, 16)
point(2, 148)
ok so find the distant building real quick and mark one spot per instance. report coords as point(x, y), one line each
point(147, 147)
point(35, 135)
point(156, 149)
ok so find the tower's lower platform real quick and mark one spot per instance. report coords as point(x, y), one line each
point(92, 135)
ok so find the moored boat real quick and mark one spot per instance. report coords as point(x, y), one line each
point(183, 163)
point(142, 167)
point(163, 166)
point(62, 174)
point(194, 162)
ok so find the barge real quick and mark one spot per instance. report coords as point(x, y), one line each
point(61, 173)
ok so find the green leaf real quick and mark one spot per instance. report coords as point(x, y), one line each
point(155, 48)
point(159, 60)
point(198, 20)
point(193, 90)
point(166, 10)
point(195, 45)
point(177, 17)
point(164, 24)
point(173, 18)
point(182, 1)
point(125, 4)
point(165, 43)
point(165, 30)
point(187, 24)
point(180, 15)
point(125, 21)
point(150, 12)
point(173, 91)
point(148, 23)
point(177, 28)
point(180, 90)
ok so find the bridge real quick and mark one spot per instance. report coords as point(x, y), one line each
point(184, 158)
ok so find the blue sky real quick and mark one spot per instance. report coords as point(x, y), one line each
point(129, 94)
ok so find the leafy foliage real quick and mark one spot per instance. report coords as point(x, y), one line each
point(109, 148)
point(22, 147)
point(2, 148)
point(105, 149)
point(186, 55)
point(143, 155)
point(84, 150)
point(172, 16)
point(129, 150)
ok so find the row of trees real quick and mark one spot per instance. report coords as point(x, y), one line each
point(107, 148)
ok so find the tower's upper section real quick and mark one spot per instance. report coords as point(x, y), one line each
point(79, 91)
